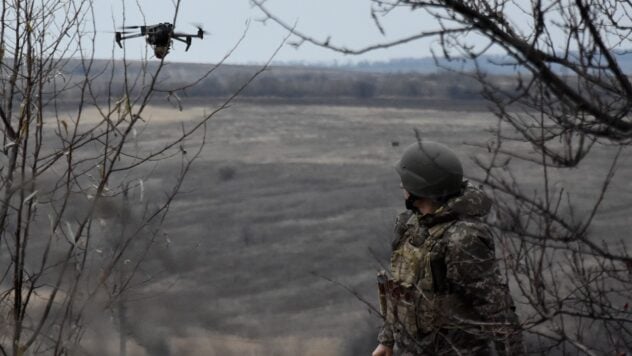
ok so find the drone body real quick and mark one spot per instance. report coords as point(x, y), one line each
point(160, 37)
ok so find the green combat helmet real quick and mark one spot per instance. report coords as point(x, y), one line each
point(430, 170)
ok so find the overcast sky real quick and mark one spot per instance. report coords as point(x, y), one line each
point(348, 22)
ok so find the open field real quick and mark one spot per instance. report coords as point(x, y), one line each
point(284, 199)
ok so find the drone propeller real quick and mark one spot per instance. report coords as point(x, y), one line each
point(130, 27)
point(200, 32)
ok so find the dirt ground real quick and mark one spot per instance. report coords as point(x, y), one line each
point(285, 219)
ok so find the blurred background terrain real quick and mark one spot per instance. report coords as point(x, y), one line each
point(274, 242)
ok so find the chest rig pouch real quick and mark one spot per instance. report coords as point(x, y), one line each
point(407, 258)
point(417, 266)
point(417, 258)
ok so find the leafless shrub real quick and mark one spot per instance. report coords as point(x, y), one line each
point(569, 96)
point(77, 215)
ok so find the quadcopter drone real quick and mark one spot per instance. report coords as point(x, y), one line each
point(160, 37)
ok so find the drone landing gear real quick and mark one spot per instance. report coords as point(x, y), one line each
point(187, 41)
point(119, 37)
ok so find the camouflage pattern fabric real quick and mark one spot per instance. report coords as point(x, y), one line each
point(446, 295)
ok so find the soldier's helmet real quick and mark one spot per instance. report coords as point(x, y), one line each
point(430, 170)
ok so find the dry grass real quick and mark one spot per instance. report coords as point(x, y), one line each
point(285, 194)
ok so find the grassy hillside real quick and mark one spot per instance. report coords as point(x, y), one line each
point(283, 200)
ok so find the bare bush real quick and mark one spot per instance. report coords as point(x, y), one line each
point(79, 207)
point(569, 101)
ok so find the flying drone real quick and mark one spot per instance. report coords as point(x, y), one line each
point(160, 37)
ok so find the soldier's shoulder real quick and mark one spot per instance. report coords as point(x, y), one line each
point(466, 231)
point(404, 215)
point(403, 218)
point(400, 228)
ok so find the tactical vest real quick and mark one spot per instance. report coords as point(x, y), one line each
point(411, 260)
point(420, 301)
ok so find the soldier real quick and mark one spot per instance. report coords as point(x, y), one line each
point(444, 295)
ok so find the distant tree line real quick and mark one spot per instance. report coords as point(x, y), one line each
point(291, 83)
point(284, 82)
point(337, 84)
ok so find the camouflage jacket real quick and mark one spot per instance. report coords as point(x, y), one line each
point(445, 295)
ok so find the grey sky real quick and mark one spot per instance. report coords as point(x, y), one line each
point(347, 21)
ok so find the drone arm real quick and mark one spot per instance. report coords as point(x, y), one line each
point(178, 34)
point(119, 37)
point(132, 36)
point(187, 41)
